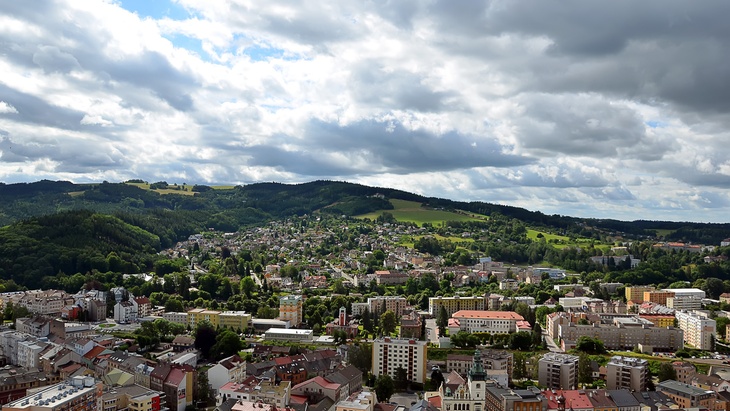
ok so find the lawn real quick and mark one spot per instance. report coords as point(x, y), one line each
point(184, 190)
point(412, 212)
point(562, 241)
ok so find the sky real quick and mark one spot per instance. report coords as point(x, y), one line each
point(606, 109)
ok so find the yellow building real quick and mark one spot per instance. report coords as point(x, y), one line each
point(636, 294)
point(659, 320)
point(235, 320)
point(197, 315)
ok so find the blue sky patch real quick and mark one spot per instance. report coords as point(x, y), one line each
point(156, 9)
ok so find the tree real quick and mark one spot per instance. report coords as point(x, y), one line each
point(585, 372)
point(536, 334)
point(464, 339)
point(226, 344)
point(388, 322)
point(247, 286)
point(590, 345)
point(437, 378)
point(442, 321)
point(203, 393)
point(666, 372)
point(205, 337)
point(384, 387)
point(367, 322)
point(721, 324)
point(361, 356)
point(520, 341)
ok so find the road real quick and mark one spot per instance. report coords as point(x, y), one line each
point(432, 331)
point(550, 342)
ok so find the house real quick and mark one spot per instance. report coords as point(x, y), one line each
point(226, 370)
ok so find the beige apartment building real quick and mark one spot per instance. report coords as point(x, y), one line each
point(558, 371)
point(626, 373)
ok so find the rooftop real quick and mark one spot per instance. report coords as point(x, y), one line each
point(492, 315)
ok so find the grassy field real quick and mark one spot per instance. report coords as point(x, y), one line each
point(561, 241)
point(412, 212)
point(184, 190)
point(664, 233)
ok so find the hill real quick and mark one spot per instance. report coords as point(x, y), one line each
point(173, 212)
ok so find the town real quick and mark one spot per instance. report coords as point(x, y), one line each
point(337, 314)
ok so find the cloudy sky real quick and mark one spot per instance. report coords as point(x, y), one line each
point(614, 109)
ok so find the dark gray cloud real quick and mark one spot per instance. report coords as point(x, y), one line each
point(71, 155)
point(34, 110)
point(370, 147)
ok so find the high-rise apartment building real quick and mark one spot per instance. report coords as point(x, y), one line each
point(291, 309)
point(626, 373)
point(389, 354)
point(558, 371)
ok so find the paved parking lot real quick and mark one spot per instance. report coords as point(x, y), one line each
point(405, 399)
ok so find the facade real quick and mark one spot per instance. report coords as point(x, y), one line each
point(699, 331)
point(132, 398)
point(558, 371)
point(251, 389)
point(458, 394)
point(198, 315)
point(627, 373)
point(658, 296)
point(76, 394)
point(684, 370)
point(684, 303)
point(389, 354)
point(685, 395)
point(235, 320)
point(394, 303)
point(454, 304)
point(636, 293)
point(494, 322)
point(624, 335)
point(359, 401)
point(291, 309)
point(226, 370)
point(288, 334)
point(177, 318)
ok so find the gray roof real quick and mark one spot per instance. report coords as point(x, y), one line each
point(623, 398)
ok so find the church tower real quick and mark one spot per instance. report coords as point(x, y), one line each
point(477, 378)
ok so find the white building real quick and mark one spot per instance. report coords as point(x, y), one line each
point(389, 354)
point(699, 331)
point(687, 292)
point(558, 371)
point(226, 370)
point(494, 322)
point(289, 334)
point(686, 303)
point(177, 318)
point(79, 393)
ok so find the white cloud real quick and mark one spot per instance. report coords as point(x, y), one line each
point(598, 110)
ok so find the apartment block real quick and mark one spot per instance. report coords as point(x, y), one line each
point(558, 371)
point(389, 354)
point(177, 318)
point(454, 304)
point(684, 302)
point(624, 334)
point(699, 330)
point(235, 320)
point(198, 315)
point(636, 293)
point(291, 309)
point(394, 303)
point(658, 296)
point(626, 373)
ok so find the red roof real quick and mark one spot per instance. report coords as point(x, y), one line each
point(94, 352)
point(435, 401)
point(298, 399)
point(321, 382)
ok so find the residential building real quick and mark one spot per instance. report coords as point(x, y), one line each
point(636, 293)
point(627, 373)
point(558, 371)
point(394, 303)
point(389, 354)
point(132, 398)
point(658, 296)
point(699, 330)
point(624, 333)
point(198, 315)
point(77, 394)
point(177, 318)
point(602, 400)
point(226, 370)
point(360, 401)
point(685, 371)
point(687, 292)
point(454, 304)
point(624, 400)
point(660, 320)
point(291, 309)
point(494, 322)
point(575, 400)
point(492, 360)
point(502, 399)
point(687, 396)
point(179, 387)
point(252, 389)
point(235, 320)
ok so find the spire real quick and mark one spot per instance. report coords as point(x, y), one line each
point(477, 368)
